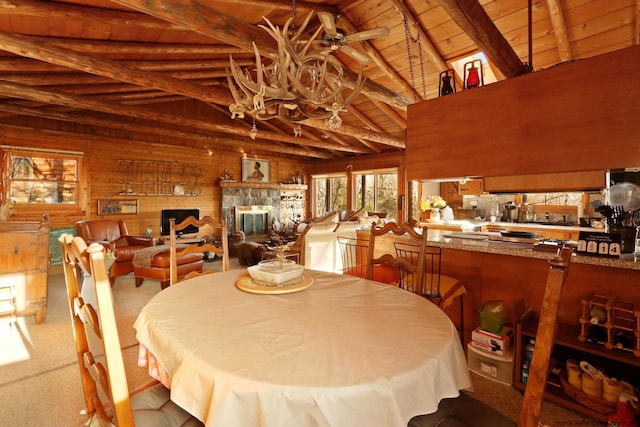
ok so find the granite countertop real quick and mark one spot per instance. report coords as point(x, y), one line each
point(479, 242)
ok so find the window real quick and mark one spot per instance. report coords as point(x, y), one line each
point(41, 177)
point(377, 191)
point(331, 194)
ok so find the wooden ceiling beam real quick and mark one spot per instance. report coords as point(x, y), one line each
point(474, 21)
point(560, 30)
point(205, 20)
point(33, 65)
point(377, 59)
point(102, 46)
point(359, 133)
point(427, 45)
point(59, 98)
point(58, 10)
point(37, 49)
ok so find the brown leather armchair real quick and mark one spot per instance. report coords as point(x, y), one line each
point(113, 235)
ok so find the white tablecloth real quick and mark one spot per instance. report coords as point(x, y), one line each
point(344, 352)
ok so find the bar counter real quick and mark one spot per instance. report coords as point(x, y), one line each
point(515, 273)
point(444, 240)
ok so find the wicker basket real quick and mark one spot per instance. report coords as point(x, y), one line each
point(598, 405)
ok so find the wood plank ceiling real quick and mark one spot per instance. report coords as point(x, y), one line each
point(154, 70)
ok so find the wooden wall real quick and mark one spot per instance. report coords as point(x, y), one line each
point(580, 116)
point(102, 176)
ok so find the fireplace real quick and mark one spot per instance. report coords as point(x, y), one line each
point(254, 221)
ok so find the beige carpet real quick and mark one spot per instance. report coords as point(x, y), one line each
point(40, 383)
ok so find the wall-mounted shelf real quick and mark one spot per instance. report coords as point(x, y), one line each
point(274, 185)
point(156, 178)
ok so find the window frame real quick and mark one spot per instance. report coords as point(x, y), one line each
point(10, 152)
point(329, 191)
point(361, 175)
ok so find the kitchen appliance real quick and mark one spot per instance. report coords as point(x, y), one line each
point(511, 212)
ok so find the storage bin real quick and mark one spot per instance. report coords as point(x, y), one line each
point(490, 365)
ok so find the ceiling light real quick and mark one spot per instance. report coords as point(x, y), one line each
point(305, 80)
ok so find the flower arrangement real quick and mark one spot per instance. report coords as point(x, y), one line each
point(433, 202)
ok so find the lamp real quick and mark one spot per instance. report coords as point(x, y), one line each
point(126, 191)
point(300, 82)
point(445, 87)
point(473, 74)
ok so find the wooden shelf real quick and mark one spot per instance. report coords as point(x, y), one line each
point(275, 185)
point(567, 342)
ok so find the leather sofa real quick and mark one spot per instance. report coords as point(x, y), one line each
point(114, 236)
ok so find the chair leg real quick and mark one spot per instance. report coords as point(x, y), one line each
point(462, 319)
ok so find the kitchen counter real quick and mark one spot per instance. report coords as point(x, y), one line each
point(514, 272)
point(471, 242)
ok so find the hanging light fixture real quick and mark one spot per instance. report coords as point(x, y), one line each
point(445, 87)
point(300, 82)
point(473, 74)
point(254, 130)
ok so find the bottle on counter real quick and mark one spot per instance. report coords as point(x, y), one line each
point(528, 351)
point(623, 339)
point(530, 215)
point(597, 315)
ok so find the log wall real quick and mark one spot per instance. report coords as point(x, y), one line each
point(101, 175)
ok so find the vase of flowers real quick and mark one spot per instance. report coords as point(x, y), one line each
point(433, 205)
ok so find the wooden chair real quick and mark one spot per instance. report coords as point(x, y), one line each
point(440, 288)
point(467, 411)
point(410, 272)
point(354, 255)
point(104, 384)
point(175, 252)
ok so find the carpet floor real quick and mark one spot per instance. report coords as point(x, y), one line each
point(40, 384)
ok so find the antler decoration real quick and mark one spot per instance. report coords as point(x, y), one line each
point(297, 85)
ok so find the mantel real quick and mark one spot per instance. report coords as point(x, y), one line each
point(275, 185)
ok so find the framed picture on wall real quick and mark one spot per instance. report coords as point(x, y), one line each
point(117, 206)
point(256, 170)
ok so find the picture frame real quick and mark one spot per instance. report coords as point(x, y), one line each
point(117, 206)
point(256, 170)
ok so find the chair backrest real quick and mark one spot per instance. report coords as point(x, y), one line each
point(104, 230)
point(432, 262)
point(407, 267)
point(354, 255)
point(175, 253)
point(545, 336)
point(100, 381)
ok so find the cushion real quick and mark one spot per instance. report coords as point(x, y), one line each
point(329, 217)
point(366, 221)
point(321, 228)
point(353, 216)
point(349, 226)
point(153, 407)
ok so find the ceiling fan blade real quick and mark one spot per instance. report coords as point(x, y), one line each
point(362, 58)
point(366, 35)
point(328, 22)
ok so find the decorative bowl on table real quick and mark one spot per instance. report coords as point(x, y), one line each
point(276, 272)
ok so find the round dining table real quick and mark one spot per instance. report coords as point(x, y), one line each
point(345, 351)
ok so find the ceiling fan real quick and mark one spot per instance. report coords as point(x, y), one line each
point(335, 40)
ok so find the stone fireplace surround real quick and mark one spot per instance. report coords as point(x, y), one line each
point(243, 196)
point(236, 193)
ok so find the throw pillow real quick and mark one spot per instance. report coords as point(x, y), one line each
point(354, 216)
point(330, 217)
point(324, 227)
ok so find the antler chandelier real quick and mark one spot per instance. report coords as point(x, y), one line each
point(300, 83)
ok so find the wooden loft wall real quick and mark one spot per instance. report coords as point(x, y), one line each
point(580, 116)
point(101, 173)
